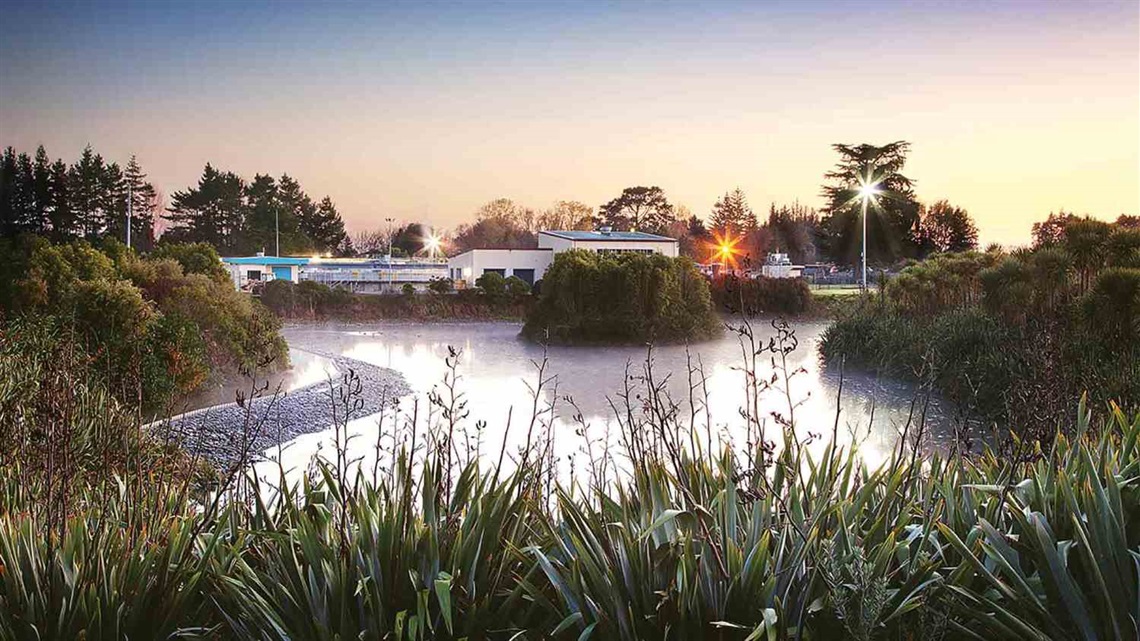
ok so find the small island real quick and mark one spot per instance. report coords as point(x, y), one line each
point(592, 297)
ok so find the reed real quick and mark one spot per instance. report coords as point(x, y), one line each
point(667, 537)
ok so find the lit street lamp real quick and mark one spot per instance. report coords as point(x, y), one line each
point(868, 189)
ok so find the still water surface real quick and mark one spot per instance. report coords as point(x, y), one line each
point(497, 371)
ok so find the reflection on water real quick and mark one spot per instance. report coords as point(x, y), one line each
point(306, 369)
point(497, 369)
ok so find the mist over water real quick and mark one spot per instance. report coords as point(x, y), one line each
point(497, 371)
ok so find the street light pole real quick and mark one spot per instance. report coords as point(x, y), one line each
point(130, 212)
point(277, 226)
point(390, 239)
point(865, 242)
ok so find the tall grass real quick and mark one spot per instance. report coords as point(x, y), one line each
point(744, 541)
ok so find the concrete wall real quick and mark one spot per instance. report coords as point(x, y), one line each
point(467, 267)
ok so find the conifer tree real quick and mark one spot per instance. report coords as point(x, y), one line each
point(61, 218)
point(325, 228)
point(8, 226)
point(86, 181)
point(145, 204)
point(731, 215)
point(212, 212)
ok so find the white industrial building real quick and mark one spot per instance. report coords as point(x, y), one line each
point(530, 264)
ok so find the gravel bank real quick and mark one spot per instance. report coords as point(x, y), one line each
point(220, 433)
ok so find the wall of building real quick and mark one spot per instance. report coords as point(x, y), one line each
point(467, 267)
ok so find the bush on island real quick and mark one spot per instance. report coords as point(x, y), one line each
point(517, 287)
point(622, 298)
point(438, 285)
point(492, 284)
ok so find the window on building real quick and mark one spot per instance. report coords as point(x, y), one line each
point(253, 274)
point(527, 275)
point(501, 272)
point(622, 250)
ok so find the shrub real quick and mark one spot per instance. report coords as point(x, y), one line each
point(408, 290)
point(517, 287)
point(439, 285)
point(492, 284)
point(762, 295)
point(622, 298)
point(195, 258)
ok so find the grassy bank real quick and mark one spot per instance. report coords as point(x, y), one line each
point(654, 536)
point(1010, 338)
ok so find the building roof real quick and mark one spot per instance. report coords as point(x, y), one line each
point(598, 236)
point(264, 260)
point(502, 249)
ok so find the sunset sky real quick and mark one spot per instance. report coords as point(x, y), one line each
point(424, 111)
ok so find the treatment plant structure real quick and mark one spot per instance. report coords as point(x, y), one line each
point(386, 274)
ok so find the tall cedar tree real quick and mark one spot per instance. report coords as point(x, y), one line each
point(892, 219)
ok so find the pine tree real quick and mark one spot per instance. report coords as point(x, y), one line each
point(113, 203)
point(8, 226)
point(61, 218)
point(24, 195)
point(144, 205)
point(295, 206)
point(41, 192)
point(731, 215)
point(212, 212)
point(325, 229)
point(86, 182)
point(263, 207)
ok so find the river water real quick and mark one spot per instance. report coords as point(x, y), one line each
point(497, 372)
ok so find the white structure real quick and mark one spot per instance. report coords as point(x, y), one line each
point(527, 264)
point(605, 241)
point(245, 271)
point(531, 264)
point(780, 266)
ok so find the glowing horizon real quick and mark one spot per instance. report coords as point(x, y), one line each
point(424, 112)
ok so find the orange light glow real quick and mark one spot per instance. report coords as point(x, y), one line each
point(725, 250)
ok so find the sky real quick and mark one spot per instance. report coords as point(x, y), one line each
point(424, 111)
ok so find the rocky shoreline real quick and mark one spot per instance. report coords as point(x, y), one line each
point(224, 434)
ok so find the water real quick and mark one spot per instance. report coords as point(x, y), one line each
point(498, 370)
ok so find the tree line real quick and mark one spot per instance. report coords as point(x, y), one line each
point(88, 200)
point(899, 227)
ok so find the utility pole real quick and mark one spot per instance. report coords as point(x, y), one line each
point(391, 238)
point(865, 243)
point(130, 212)
point(277, 226)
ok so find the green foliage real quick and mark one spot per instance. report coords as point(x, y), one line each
point(516, 287)
point(492, 284)
point(588, 296)
point(761, 295)
point(408, 290)
point(441, 285)
point(891, 219)
point(994, 330)
point(638, 209)
point(153, 332)
point(195, 258)
point(687, 545)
